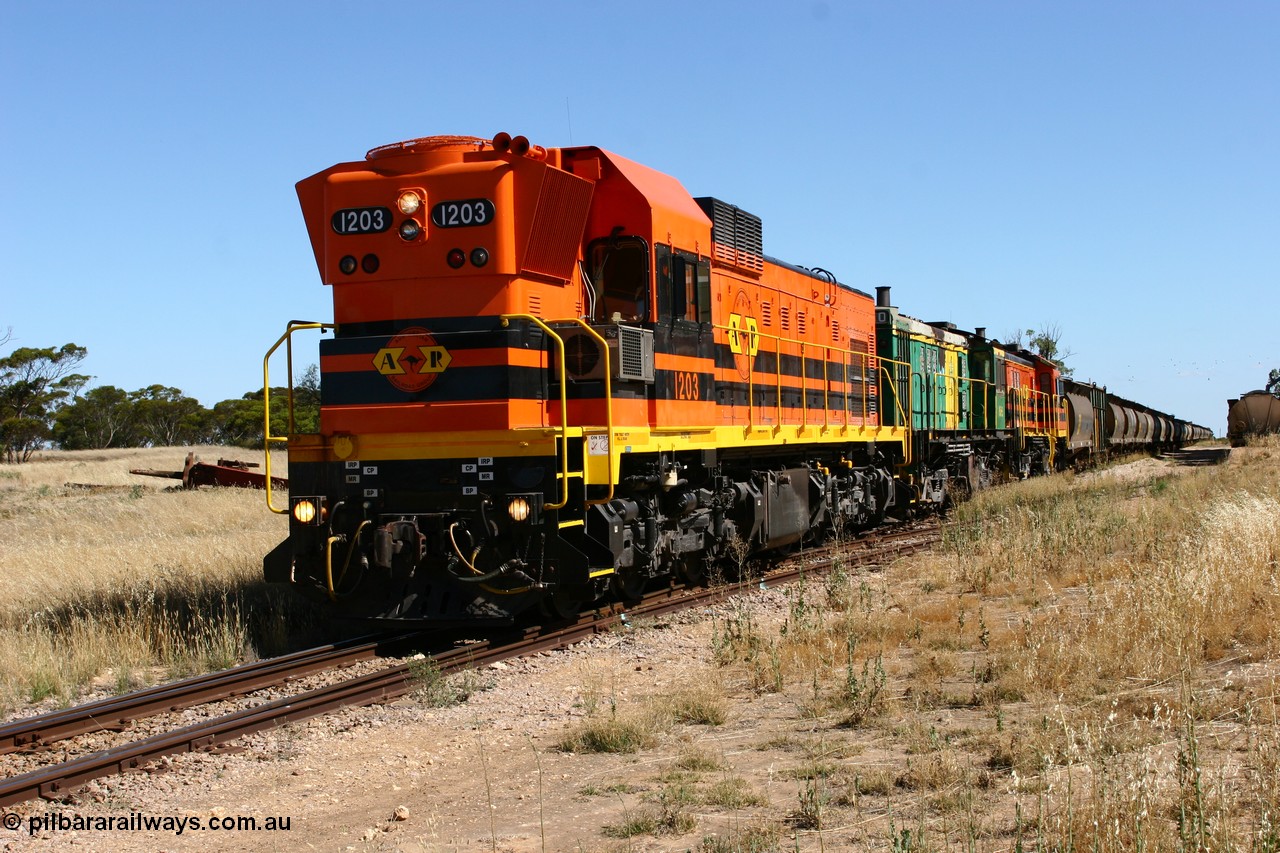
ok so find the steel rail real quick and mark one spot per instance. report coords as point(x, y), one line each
point(61, 779)
point(116, 712)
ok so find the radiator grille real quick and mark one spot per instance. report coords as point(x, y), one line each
point(737, 237)
point(558, 222)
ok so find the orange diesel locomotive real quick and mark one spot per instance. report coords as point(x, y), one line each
point(553, 372)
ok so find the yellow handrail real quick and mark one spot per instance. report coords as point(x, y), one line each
point(777, 384)
point(564, 404)
point(948, 409)
point(803, 376)
point(608, 402)
point(267, 437)
point(893, 385)
point(908, 454)
point(804, 391)
point(988, 403)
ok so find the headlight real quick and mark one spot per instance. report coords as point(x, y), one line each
point(304, 510)
point(409, 230)
point(518, 509)
point(409, 202)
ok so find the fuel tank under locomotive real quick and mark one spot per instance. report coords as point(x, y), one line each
point(681, 519)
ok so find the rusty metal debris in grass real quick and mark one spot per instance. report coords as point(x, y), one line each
point(227, 472)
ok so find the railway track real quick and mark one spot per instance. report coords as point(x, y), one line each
point(61, 779)
point(117, 712)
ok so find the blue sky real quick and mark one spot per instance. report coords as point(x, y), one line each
point(1112, 168)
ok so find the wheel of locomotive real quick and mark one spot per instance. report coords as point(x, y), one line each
point(692, 569)
point(563, 602)
point(628, 586)
point(958, 490)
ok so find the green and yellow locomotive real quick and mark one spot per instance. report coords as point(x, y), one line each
point(978, 412)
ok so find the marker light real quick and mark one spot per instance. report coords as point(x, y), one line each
point(347, 264)
point(479, 257)
point(369, 263)
point(518, 509)
point(409, 202)
point(304, 511)
point(409, 230)
point(456, 258)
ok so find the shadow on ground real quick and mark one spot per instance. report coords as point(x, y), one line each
point(1198, 456)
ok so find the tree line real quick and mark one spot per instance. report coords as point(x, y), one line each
point(43, 402)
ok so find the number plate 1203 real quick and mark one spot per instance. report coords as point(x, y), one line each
point(361, 220)
point(462, 213)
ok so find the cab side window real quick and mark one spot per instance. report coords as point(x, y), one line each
point(620, 271)
point(684, 286)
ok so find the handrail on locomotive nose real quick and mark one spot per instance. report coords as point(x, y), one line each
point(564, 406)
point(267, 437)
point(608, 400)
point(608, 405)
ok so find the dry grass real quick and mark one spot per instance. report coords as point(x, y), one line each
point(627, 728)
point(1088, 662)
point(131, 584)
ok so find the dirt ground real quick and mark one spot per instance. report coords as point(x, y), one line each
point(488, 774)
point(482, 775)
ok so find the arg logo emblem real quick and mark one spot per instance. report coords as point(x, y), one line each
point(412, 360)
point(743, 334)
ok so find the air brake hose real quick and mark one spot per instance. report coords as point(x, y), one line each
point(458, 551)
point(328, 559)
point(481, 577)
